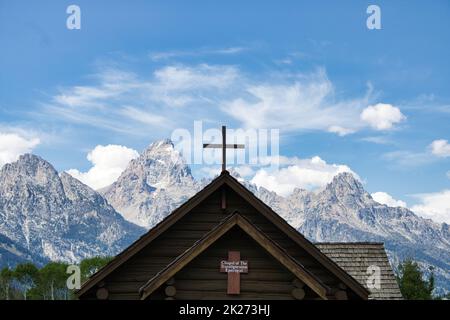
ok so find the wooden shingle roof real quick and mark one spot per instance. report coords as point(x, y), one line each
point(356, 258)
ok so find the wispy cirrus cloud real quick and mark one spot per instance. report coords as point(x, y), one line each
point(171, 54)
point(128, 102)
point(377, 140)
point(297, 102)
point(155, 99)
point(435, 151)
point(406, 158)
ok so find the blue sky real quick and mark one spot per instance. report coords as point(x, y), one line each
point(137, 71)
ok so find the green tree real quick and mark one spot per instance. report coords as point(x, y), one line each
point(25, 277)
point(412, 283)
point(6, 278)
point(26, 281)
point(91, 265)
point(51, 282)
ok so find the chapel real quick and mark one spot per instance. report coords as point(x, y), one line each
point(225, 243)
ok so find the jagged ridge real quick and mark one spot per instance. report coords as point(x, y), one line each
point(159, 181)
point(51, 216)
point(56, 217)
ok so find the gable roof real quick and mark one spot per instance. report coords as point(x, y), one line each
point(225, 179)
point(149, 236)
point(357, 257)
point(212, 236)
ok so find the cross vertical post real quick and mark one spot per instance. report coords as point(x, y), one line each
point(224, 152)
point(224, 146)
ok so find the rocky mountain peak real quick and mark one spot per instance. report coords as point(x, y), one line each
point(160, 164)
point(142, 191)
point(29, 167)
point(166, 144)
point(346, 180)
point(57, 217)
point(348, 190)
point(31, 176)
point(299, 193)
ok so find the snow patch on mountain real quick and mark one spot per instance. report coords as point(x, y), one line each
point(56, 217)
point(159, 181)
point(153, 185)
point(49, 216)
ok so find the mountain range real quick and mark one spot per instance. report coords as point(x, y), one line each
point(47, 216)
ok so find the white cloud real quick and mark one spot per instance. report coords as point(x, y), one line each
point(288, 101)
point(405, 158)
point(108, 163)
point(382, 116)
point(440, 148)
point(244, 171)
point(142, 116)
point(202, 76)
point(158, 99)
point(295, 102)
point(301, 173)
point(214, 170)
point(377, 140)
point(340, 130)
point(165, 55)
point(12, 145)
point(387, 199)
point(434, 206)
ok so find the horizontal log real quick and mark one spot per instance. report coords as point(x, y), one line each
point(124, 296)
point(341, 295)
point(102, 293)
point(298, 283)
point(208, 274)
point(195, 226)
point(140, 278)
point(125, 286)
point(214, 295)
point(246, 286)
point(298, 293)
point(170, 291)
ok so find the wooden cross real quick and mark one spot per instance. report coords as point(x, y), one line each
point(224, 146)
point(234, 266)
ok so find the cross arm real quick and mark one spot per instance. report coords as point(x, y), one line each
point(228, 146)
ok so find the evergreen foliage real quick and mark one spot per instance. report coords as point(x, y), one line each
point(412, 282)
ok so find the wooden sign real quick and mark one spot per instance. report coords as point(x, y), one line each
point(234, 266)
